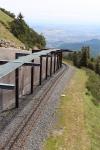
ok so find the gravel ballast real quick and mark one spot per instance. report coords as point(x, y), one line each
point(46, 117)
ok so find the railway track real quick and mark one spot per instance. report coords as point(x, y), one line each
point(17, 140)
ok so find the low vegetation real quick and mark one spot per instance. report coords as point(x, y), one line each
point(93, 85)
point(78, 126)
point(83, 59)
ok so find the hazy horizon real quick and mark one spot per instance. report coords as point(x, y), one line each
point(63, 20)
point(79, 12)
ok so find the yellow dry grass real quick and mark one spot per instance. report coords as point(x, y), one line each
point(7, 35)
point(5, 18)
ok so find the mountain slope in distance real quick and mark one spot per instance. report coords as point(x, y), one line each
point(94, 45)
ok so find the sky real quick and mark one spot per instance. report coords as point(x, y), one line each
point(56, 11)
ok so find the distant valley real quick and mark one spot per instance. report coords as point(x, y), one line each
point(71, 36)
point(94, 45)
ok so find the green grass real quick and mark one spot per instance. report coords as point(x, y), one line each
point(4, 29)
point(93, 85)
point(92, 116)
point(78, 126)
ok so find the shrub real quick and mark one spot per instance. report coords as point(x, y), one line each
point(93, 85)
point(25, 34)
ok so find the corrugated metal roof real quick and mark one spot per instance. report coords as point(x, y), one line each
point(12, 65)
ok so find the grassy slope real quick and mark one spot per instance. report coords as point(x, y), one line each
point(4, 32)
point(78, 127)
point(92, 121)
point(5, 18)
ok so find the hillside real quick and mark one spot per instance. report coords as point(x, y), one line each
point(5, 34)
point(15, 32)
point(94, 44)
point(4, 18)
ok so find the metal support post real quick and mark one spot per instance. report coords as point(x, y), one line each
point(40, 78)
point(57, 67)
point(54, 62)
point(17, 88)
point(32, 77)
point(46, 67)
point(61, 58)
point(51, 65)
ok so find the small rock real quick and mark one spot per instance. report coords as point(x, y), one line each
point(63, 95)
